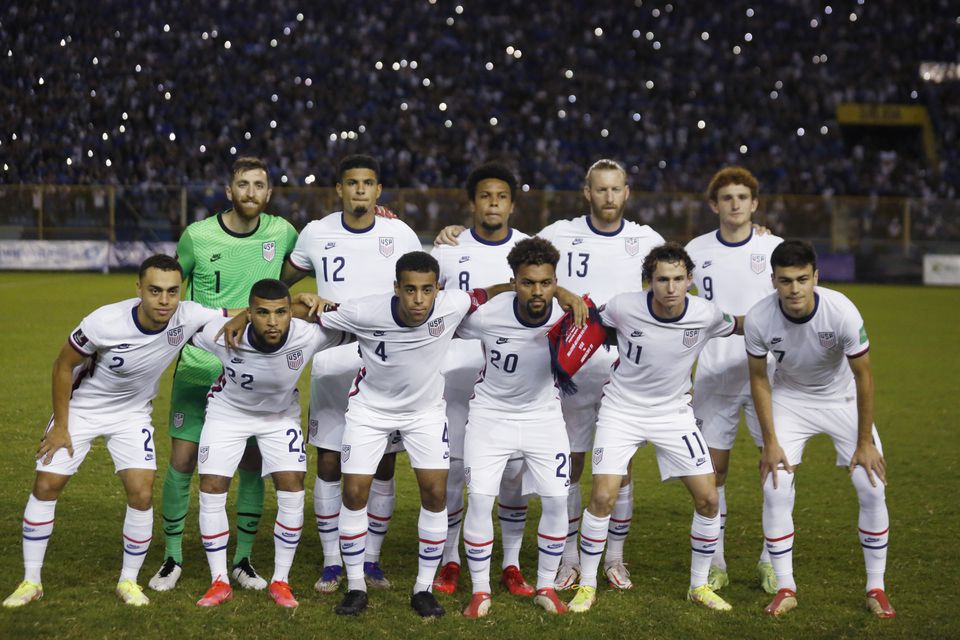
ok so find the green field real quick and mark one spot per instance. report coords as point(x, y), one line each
point(914, 334)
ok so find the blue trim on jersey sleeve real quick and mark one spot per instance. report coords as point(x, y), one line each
point(608, 234)
point(686, 305)
point(734, 244)
point(491, 243)
point(370, 228)
point(806, 318)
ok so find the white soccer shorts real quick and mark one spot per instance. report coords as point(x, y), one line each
point(580, 410)
point(224, 439)
point(794, 425)
point(129, 440)
point(461, 369)
point(719, 415)
point(366, 436)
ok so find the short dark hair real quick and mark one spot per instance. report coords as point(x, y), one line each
point(793, 253)
point(358, 161)
point(732, 175)
point(160, 261)
point(533, 251)
point(268, 289)
point(491, 171)
point(419, 261)
point(671, 252)
point(248, 163)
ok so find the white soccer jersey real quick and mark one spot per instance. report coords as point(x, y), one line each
point(401, 364)
point(476, 262)
point(516, 379)
point(657, 355)
point(256, 381)
point(128, 360)
point(734, 276)
point(349, 263)
point(601, 264)
point(811, 353)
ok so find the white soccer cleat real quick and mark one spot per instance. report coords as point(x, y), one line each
point(618, 576)
point(166, 578)
point(246, 576)
point(567, 576)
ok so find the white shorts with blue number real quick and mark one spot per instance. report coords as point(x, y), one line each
point(224, 439)
point(129, 440)
point(368, 433)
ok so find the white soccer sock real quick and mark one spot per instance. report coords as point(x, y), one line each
point(455, 484)
point(778, 526)
point(704, 534)
point(571, 551)
point(215, 533)
point(383, 499)
point(326, 508)
point(551, 536)
point(478, 540)
point(353, 541)
point(873, 525)
point(512, 512)
point(137, 533)
point(38, 519)
point(593, 538)
point(718, 560)
point(287, 529)
point(619, 525)
point(432, 529)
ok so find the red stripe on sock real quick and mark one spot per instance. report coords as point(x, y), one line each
point(280, 524)
point(540, 535)
point(359, 535)
point(138, 541)
point(693, 537)
point(593, 540)
point(216, 535)
point(424, 541)
point(38, 524)
point(620, 521)
point(789, 535)
point(380, 518)
point(482, 544)
point(871, 533)
point(506, 506)
point(327, 517)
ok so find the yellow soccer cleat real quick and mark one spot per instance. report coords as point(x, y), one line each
point(705, 597)
point(131, 593)
point(25, 593)
point(584, 599)
point(766, 577)
point(718, 578)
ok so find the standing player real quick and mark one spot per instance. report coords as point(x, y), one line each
point(733, 271)
point(479, 260)
point(822, 384)
point(222, 257)
point(600, 254)
point(352, 253)
point(659, 335)
point(104, 381)
point(516, 410)
point(256, 396)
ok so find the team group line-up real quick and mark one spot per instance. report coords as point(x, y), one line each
point(508, 409)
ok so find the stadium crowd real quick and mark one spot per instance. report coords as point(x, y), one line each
point(136, 94)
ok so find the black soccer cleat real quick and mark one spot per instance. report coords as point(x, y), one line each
point(352, 604)
point(426, 605)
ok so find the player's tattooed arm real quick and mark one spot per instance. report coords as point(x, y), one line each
point(58, 435)
point(448, 235)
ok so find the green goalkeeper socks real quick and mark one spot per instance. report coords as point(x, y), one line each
point(176, 504)
point(249, 509)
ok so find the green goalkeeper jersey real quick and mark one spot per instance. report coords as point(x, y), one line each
point(220, 266)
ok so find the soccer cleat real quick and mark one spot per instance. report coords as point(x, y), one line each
point(567, 576)
point(548, 600)
point(618, 576)
point(352, 604)
point(718, 578)
point(448, 578)
point(584, 599)
point(282, 594)
point(131, 593)
point(166, 578)
point(705, 597)
point(330, 579)
point(218, 593)
point(879, 605)
point(784, 601)
point(513, 580)
point(246, 576)
point(25, 593)
point(479, 605)
point(426, 605)
point(373, 575)
point(767, 577)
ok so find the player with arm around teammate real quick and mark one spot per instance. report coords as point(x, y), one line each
point(822, 384)
point(104, 381)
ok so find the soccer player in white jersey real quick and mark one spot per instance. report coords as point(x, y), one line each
point(352, 253)
point(602, 254)
point(479, 260)
point(516, 410)
point(104, 381)
point(822, 384)
point(659, 334)
point(256, 395)
point(733, 271)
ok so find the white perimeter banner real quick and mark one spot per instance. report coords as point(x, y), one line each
point(80, 255)
point(941, 269)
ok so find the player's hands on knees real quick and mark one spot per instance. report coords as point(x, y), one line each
point(870, 458)
point(233, 330)
point(52, 441)
point(772, 458)
point(384, 212)
point(448, 235)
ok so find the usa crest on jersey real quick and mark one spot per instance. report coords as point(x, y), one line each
point(758, 262)
point(632, 246)
point(269, 250)
point(691, 337)
point(435, 327)
point(386, 247)
point(828, 339)
point(295, 359)
point(175, 336)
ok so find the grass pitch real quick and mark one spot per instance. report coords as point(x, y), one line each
point(914, 334)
